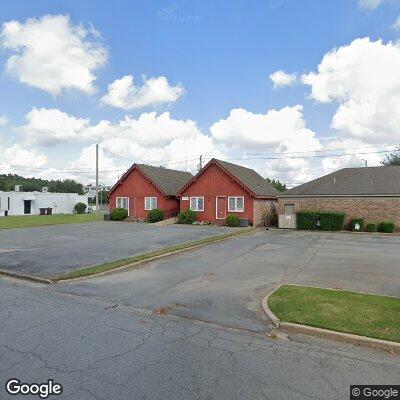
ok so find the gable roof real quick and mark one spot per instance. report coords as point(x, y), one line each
point(168, 181)
point(248, 178)
point(364, 181)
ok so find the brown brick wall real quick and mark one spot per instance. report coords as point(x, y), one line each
point(260, 208)
point(371, 209)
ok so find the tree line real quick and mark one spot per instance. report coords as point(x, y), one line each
point(8, 182)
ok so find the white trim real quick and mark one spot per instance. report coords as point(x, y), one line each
point(236, 210)
point(127, 202)
point(150, 197)
point(197, 203)
point(216, 207)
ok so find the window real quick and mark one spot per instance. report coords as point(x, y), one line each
point(289, 209)
point(236, 204)
point(150, 203)
point(197, 203)
point(122, 202)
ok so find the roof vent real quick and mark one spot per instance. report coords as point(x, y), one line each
point(334, 179)
point(371, 182)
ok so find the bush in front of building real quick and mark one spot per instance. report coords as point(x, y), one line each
point(371, 227)
point(232, 220)
point(320, 220)
point(386, 227)
point(155, 215)
point(186, 217)
point(119, 214)
point(307, 220)
point(357, 224)
point(80, 208)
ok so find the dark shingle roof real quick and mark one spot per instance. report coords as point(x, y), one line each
point(249, 178)
point(168, 180)
point(372, 181)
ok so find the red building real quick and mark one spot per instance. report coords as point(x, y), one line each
point(143, 188)
point(222, 188)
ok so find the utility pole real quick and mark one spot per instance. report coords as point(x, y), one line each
point(97, 178)
point(201, 163)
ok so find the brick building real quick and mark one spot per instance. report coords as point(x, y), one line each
point(371, 193)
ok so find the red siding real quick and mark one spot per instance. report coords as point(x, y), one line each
point(136, 187)
point(211, 183)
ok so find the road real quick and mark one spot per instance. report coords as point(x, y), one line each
point(101, 350)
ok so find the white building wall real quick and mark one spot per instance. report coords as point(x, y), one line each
point(61, 203)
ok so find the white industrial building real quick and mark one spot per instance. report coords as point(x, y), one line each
point(18, 202)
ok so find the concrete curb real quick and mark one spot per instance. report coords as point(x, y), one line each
point(154, 258)
point(357, 340)
point(26, 277)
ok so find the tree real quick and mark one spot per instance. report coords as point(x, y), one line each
point(393, 158)
point(278, 185)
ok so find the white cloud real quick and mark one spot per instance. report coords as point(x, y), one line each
point(18, 156)
point(52, 54)
point(369, 4)
point(281, 130)
point(123, 93)
point(396, 24)
point(3, 120)
point(368, 93)
point(281, 78)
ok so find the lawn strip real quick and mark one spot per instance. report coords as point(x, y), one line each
point(343, 311)
point(131, 261)
point(26, 221)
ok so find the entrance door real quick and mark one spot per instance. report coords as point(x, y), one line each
point(131, 210)
point(221, 207)
point(27, 206)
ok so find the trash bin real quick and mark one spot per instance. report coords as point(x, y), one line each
point(107, 217)
point(243, 222)
point(49, 211)
point(42, 211)
point(6, 213)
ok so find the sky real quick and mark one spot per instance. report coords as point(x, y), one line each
point(294, 89)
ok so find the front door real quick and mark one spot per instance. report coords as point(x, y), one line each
point(131, 210)
point(221, 207)
point(27, 206)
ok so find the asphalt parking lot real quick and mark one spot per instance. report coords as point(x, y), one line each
point(47, 251)
point(224, 282)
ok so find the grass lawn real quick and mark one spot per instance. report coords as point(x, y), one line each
point(22, 221)
point(97, 269)
point(343, 311)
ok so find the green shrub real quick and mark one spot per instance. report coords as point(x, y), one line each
point(118, 214)
point(371, 227)
point(232, 220)
point(321, 220)
point(186, 217)
point(359, 221)
point(80, 208)
point(155, 215)
point(386, 227)
point(307, 220)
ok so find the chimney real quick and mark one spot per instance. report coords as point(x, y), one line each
point(45, 189)
point(18, 188)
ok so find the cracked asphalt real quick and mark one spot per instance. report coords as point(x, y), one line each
point(101, 339)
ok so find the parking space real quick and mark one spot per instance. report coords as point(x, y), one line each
point(224, 282)
point(51, 250)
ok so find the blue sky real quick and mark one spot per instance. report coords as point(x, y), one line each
point(221, 57)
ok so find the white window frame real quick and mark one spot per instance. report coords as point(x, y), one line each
point(127, 202)
point(150, 200)
point(197, 203)
point(236, 201)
